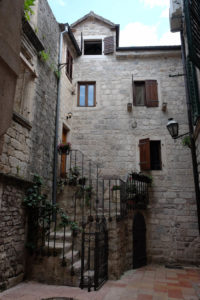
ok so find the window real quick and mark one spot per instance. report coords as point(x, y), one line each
point(145, 93)
point(86, 94)
point(69, 65)
point(24, 89)
point(150, 155)
point(93, 47)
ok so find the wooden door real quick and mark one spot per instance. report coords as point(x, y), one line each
point(63, 156)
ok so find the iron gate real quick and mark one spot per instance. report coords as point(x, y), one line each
point(94, 260)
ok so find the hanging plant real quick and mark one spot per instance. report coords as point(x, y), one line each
point(186, 141)
point(64, 148)
point(28, 12)
point(44, 56)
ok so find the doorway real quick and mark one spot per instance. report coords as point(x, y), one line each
point(63, 166)
point(139, 241)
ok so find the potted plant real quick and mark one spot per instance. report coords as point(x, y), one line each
point(82, 180)
point(64, 148)
point(115, 188)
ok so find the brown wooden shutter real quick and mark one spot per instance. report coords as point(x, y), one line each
point(81, 42)
point(133, 91)
point(144, 146)
point(109, 45)
point(151, 93)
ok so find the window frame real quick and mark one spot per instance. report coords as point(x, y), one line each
point(69, 65)
point(86, 84)
point(93, 40)
point(145, 160)
point(151, 91)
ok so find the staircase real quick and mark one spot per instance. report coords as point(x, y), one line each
point(72, 257)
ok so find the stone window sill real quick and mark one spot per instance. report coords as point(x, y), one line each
point(21, 120)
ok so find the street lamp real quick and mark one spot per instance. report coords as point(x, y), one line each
point(173, 128)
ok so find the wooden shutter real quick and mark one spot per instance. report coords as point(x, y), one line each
point(109, 45)
point(133, 91)
point(144, 146)
point(151, 93)
point(192, 19)
point(193, 90)
point(81, 42)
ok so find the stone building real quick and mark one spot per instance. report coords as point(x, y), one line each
point(184, 18)
point(28, 142)
point(103, 128)
point(9, 60)
point(112, 103)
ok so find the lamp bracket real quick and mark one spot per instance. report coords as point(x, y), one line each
point(179, 136)
point(176, 75)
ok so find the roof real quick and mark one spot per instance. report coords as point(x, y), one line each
point(92, 14)
point(148, 48)
point(71, 36)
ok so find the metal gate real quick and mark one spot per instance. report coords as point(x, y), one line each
point(139, 241)
point(94, 260)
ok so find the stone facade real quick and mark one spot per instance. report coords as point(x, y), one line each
point(28, 144)
point(9, 58)
point(13, 234)
point(110, 135)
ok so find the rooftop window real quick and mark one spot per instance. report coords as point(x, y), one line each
point(93, 47)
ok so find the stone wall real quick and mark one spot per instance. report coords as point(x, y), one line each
point(27, 148)
point(30, 150)
point(13, 233)
point(110, 135)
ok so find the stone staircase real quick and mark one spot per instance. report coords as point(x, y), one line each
point(56, 265)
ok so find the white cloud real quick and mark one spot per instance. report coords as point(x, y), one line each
point(153, 3)
point(138, 34)
point(62, 2)
point(165, 13)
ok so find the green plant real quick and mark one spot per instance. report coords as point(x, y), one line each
point(40, 212)
point(186, 141)
point(44, 56)
point(27, 9)
point(116, 188)
point(34, 198)
point(57, 73)
point(88, 195)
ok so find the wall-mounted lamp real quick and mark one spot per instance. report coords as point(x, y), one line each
point(129, 107)
point(164, 106)
point(173, 128)
point(69, 115)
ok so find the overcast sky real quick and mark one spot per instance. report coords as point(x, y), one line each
point(142, 22)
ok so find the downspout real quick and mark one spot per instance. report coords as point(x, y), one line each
point(193, 147)
point(55, 165)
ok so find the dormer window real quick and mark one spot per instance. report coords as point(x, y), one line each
point(93, 47)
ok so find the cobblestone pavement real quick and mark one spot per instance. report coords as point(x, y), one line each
point(147, 283)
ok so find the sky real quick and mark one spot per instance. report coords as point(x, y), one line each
point(142, 22)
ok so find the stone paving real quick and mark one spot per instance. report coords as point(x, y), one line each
point(152, 282)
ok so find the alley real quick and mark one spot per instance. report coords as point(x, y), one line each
point(152, 282)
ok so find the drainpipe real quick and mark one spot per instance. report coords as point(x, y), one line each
point(55, 166)
point(193, 147)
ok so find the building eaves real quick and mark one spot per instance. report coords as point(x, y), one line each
point(72, 38)
point(92, 14)
point(148, 48)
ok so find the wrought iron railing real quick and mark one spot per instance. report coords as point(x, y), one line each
point(95, 202)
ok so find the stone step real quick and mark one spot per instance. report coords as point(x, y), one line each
point(58, 246)
point(77, 267)
point(68, 256)
point(60, 236)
